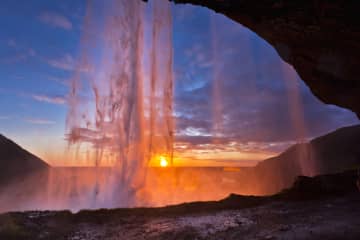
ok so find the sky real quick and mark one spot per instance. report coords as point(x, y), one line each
point(236, 101)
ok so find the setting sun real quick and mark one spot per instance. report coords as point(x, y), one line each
point(163, 162)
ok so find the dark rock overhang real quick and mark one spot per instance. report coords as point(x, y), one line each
point(319, 38)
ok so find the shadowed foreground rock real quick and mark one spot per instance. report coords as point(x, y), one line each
point(324, 207)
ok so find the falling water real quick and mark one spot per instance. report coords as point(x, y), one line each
point(130, 120)
point(305, 153)
point(217, 90)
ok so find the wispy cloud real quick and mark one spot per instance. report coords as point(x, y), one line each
point(56, 20)
point(31, 52)
point(50, 99)
point(40, 121)
point(4, 117)
point(62, 81)
point(11, 43)
point(19, 56)
point(18, 77)
point(66, 62)
point(15, 58)
point(19, 52)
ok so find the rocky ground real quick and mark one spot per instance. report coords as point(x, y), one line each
point(324, 207)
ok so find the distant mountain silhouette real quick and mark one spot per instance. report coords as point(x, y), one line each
point(16, 163)
point(331, 153)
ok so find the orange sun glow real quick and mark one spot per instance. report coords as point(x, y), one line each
point(163, 162)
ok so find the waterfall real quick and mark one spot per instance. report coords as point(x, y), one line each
point(128, 121)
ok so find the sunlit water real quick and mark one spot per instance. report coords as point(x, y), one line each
point(130, 121)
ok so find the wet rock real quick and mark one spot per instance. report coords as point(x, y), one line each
point(326, 184)
point(269, 237)
point(284, 228)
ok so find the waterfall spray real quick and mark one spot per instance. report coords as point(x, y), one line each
point(130, 121)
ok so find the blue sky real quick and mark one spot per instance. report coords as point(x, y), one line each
point(40, 46)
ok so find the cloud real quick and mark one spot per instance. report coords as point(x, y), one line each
point(15, 58)
point(65, 62)
point(18, 77)
point(56, 20)
point(19, 56)
point(40, 121)
point(31, 52)
point(18, 52)
point(11, 43)
point(49, 99)
point(68, 63)
point(62, 81)
point(4, 117)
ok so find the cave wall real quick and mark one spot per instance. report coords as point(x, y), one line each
point(319, 38)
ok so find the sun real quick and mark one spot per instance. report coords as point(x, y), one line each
point(163, 162)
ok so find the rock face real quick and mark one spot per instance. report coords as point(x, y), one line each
point(320, 38)
point(17, 163)
point(332, 153)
